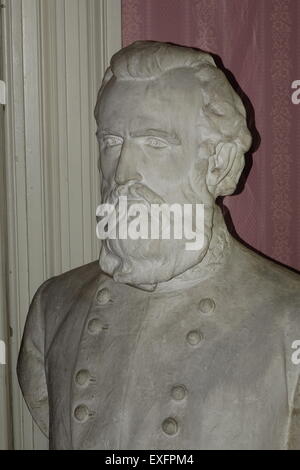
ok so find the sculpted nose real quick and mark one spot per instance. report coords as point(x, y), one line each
point(127, 169)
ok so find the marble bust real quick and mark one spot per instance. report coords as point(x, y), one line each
point(154, 346)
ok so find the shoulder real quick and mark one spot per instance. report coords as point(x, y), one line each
point(65, 287)
point(265, 275)
point(268, 286)
point(55, 296)
point(269, 294)
point(75, 278)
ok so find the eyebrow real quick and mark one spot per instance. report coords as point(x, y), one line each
point(104, 132)
point(171, 138)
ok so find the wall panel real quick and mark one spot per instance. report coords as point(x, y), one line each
point(5, 423)
point(55, 55)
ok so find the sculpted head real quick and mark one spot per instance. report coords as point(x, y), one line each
point(170, 129)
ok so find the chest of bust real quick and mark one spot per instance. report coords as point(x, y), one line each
point(185, 370)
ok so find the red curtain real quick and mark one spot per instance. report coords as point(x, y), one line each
point(258, 41)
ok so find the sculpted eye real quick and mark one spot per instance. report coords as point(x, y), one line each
point(112, 140)
point(156, 143)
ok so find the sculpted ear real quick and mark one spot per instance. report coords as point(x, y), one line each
point(224, 169)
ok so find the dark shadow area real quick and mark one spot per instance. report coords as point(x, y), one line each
point(256, 139)
point(250, 113)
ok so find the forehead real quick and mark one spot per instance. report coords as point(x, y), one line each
point(170, 102)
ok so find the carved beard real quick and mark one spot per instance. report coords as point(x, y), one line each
point(144, 263)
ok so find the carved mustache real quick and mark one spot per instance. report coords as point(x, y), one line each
point(135, 191)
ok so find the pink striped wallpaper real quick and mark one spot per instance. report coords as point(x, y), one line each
point(259, 43)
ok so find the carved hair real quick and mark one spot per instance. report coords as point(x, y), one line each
point(223, 108)
point(146, 60)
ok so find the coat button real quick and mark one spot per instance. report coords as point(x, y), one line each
point(82, 413)
point(178, 392)
point(103, 296)
point(170, 426)
point(82, 377)
point(95, 326)
point(207, 305)
point(194, 337)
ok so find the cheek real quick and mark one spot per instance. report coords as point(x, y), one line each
point(169, 179)
point(199, 173)
point(166, 167)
